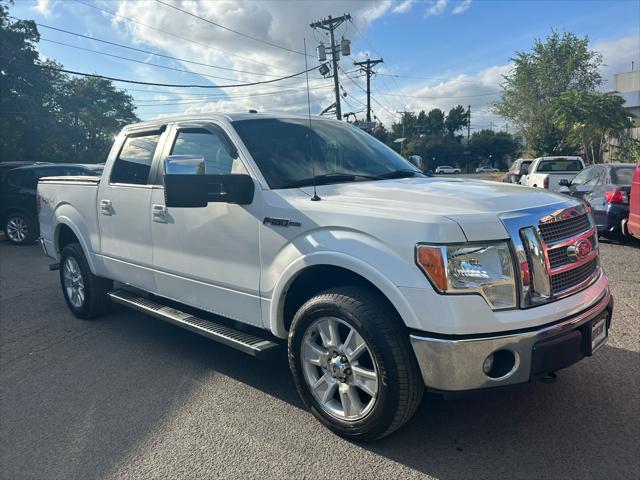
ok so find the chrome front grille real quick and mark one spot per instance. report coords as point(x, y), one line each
point(565, 239)
point(570, 278)
point(555, 230)
point(557, 252)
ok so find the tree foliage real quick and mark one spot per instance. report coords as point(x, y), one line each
point(589, 120)
point(48, 116)
point(562, 62)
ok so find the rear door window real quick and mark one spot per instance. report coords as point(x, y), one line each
point(622, 175)
point(134, 161)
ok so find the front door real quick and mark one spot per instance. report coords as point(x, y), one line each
point(124, 211)
point(208, 257)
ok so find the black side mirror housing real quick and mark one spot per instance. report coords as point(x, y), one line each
point(564, 182)
point(194, 191)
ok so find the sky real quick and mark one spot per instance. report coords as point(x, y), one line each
point(437, 53)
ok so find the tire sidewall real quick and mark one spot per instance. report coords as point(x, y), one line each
point(385, 407)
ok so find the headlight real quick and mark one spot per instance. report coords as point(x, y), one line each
point(485, 269)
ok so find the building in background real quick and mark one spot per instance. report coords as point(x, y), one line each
point(627, 85)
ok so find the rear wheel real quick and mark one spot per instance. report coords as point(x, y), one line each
point(20, 229)
point(353, 365)
point(84, 292)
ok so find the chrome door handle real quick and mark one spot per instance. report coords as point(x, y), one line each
point(159, 213)
point(105, 207)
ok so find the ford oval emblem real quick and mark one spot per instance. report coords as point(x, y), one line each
point(579, 250)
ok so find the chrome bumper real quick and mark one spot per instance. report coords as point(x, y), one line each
point(457, 364)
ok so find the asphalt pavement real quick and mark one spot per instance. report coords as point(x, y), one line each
point(128, 396)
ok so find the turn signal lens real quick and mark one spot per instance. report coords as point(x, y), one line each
point(431, 261)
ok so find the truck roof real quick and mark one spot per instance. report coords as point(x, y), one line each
point(230, 117)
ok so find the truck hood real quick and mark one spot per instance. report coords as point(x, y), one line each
point(474, 204)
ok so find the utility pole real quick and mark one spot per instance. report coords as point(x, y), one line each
point(403, 113)
point(366, 67)
point(468, 124)
point(330, 24)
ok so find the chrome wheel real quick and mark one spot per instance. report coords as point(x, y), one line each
point(17, 229)
point(73, 282)
point(339, 369)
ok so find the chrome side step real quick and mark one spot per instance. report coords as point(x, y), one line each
point(245, 342)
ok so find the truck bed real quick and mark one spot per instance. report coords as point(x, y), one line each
point(71, 201)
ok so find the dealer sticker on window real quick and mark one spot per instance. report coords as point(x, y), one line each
point(598, 333)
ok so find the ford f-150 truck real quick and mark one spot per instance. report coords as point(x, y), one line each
point(257, 230)
point(546, 172)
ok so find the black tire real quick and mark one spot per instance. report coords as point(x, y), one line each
point(400, 385)
point(20, 228)
point(96, 301)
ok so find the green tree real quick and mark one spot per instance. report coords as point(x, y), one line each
point(46, 115)
point(493, 148)
point(563, 62)
point(435, 122)
point(590, 119)
point(456, 120)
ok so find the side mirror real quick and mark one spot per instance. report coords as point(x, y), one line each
point(186, 185)
point(564, 182)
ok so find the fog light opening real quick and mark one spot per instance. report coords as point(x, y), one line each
point(499, 364)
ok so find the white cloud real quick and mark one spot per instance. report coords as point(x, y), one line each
point(462, 7)
point(404, 6)
point(617, 56)
point(281, 23)
point(437, 8)
point(43, 7)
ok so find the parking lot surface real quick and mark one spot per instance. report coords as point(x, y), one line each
point(128, 396)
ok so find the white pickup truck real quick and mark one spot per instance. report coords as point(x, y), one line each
point(546, 172)
point(258, 230)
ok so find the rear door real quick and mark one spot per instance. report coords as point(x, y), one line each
point(208, 257)
point(124, 209)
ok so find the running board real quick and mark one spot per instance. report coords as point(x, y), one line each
point(245, 342)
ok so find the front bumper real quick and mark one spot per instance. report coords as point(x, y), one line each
point(456, 364)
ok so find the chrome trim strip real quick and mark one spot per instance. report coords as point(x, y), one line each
point(456, 365)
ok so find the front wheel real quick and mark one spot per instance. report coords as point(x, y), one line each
point(84, 292)
point(353, 365)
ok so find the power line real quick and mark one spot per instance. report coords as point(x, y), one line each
point(242, 34)
point(138, 82)
point(148, 52)
point(356, 84)
point(141, 61)
point(209, 47)
point(438, 97)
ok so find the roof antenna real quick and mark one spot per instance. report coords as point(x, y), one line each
point(315, 197)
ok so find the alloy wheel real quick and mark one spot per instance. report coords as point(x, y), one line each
point(17, 229)
point(339, 369)
point(73, 282)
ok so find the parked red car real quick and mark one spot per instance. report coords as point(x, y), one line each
point(633, 225)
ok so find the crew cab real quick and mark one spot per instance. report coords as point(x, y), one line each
point(257, 230)
point(547, 172)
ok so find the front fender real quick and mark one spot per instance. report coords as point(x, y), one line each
point(350, 250)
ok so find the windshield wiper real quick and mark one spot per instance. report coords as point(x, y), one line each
point(404, 173)
point(328, 178)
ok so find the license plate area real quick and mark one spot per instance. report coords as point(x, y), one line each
point(598, 332)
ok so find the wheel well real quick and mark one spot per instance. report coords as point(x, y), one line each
point(316, 279)
point(65, 237)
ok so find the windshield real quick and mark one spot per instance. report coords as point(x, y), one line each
point(283, 150)
point(560, 165)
